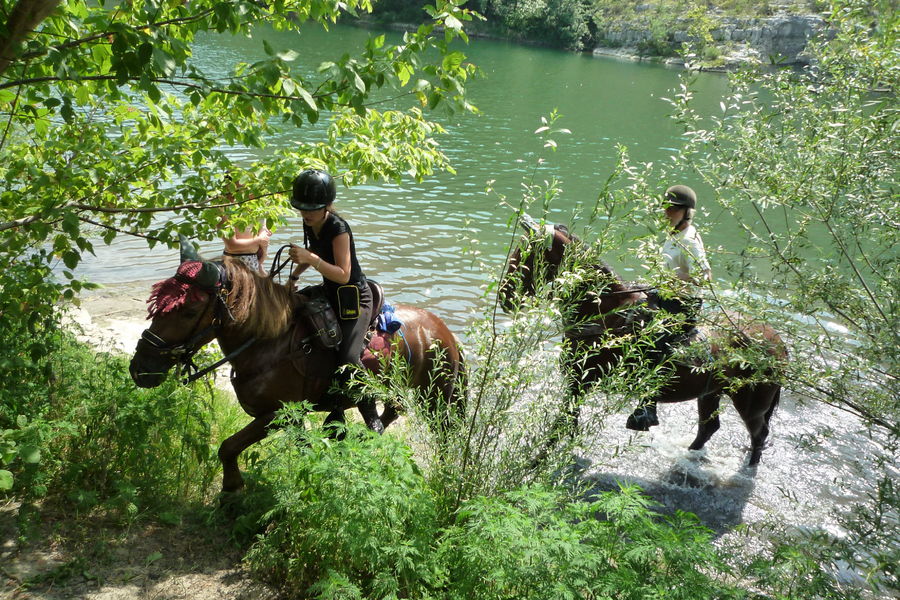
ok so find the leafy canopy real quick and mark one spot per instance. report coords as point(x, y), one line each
point(108, 127)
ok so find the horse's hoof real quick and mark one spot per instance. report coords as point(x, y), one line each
point(634, 425)
point(755, 455)
point(642, 419)
point(375, 425)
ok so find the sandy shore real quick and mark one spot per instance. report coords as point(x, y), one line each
point(112, 317)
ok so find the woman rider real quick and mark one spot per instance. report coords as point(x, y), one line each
point(329, 249)
point(685, 258)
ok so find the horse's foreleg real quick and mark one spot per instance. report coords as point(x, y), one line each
point(565, 425)
point(231, 448)
point(707, 419)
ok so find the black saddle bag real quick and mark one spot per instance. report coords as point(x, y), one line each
point(316, 312)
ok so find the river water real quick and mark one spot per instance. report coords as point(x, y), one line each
point(412, 238)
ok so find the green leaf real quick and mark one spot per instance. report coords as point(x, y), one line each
point(307, 97)
point(71, 258)
point(165, 64)
point(404, 72)
point(359, 83)
point(453, 60)
point(30, 455)
point(452, 22)
point(6, 480)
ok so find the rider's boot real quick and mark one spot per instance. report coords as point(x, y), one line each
point(369, 412)
point(643, 418)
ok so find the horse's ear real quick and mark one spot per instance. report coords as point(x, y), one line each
point(208, 276)
point(188, 250)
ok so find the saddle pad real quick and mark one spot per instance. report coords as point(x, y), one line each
point(378, 349)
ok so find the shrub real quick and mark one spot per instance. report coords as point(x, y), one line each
point(536, 542)
point(88, 436)
point(352, 519)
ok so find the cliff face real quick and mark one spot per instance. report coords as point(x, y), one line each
point(779, 39)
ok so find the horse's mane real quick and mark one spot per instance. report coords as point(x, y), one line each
point(257, 303)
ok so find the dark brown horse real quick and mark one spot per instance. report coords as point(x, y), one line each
point(272, 358)
point(611, 310)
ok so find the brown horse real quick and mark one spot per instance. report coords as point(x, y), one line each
point(613, 310)
point(272, 358)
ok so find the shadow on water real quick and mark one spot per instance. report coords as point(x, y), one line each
point(686, 486)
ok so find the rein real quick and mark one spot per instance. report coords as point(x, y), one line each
point(201, 372)
point(277, 264)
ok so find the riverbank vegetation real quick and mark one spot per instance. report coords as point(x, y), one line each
point(422, 515)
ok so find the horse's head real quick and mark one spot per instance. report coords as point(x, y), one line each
point(185, 310)
point(205, 300)
point(534, 262)
point(545, 252)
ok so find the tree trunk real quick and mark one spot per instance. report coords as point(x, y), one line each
point(25, 16)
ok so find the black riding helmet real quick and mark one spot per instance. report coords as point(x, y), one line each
point(681, 195)
point(313, 189)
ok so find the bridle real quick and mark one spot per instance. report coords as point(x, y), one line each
point(530, 225)
point(183, 353)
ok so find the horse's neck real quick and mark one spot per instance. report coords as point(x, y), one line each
point(257, 353)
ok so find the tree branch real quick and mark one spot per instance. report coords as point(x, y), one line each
point(152, 209)
point(108, 210)
point(182, 84)
point(105, 34)
point(19, 222)
point(123, 231)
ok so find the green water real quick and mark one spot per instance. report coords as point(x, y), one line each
point(408, 235)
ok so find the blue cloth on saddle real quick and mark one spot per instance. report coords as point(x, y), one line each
point(386, 320)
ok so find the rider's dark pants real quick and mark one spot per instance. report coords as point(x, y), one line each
point(689, 307)
point(353, 341)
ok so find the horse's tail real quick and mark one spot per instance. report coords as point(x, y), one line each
point(776, 398)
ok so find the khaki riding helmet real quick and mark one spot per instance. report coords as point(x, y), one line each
point(682, 195)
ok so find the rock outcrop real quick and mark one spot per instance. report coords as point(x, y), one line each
point(780, 39)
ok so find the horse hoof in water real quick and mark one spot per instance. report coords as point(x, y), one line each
point(755, 455)
point(642, 419)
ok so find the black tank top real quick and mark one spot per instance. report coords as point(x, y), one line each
point(323, 246)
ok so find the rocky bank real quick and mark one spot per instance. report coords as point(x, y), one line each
point(780, 39)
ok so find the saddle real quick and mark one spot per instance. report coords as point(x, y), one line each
point(316, 335)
